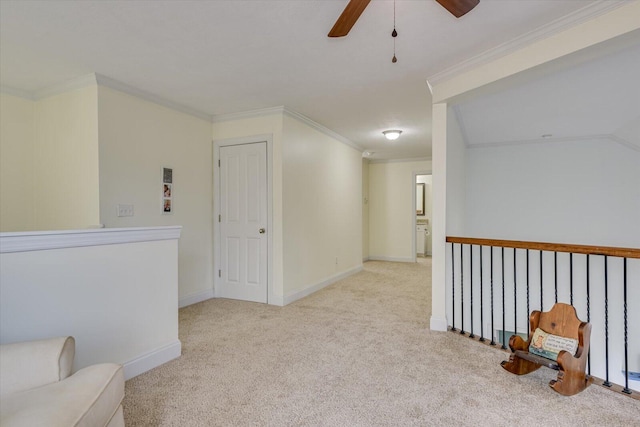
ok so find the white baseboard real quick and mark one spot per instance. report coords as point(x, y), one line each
point(288, 299)
point(365, 259)
point(391, 259)
point(153, 359)
point(275, 300)
point(195, 298)
point(438, 324)
point(209, 293)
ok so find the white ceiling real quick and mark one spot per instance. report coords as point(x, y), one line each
point(221, 57)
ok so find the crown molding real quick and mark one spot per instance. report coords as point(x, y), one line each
point(261, 112)
point(578, 17)
point(147, 96)
point(290, 113)
point(317, 126)
point(611, 137)
point(25, 94)
point(95, 79)
point(69, 85)
point(74, 84)
point(413, 159)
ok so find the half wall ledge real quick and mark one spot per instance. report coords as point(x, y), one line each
point(60, 239)
point(114, 290)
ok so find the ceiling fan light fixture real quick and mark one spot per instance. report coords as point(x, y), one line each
point(392, 134)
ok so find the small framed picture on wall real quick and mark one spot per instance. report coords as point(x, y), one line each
point(167, 191)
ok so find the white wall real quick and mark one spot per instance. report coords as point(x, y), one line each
point(115, 291)
point(392, 209)
point(576, 192)
point(630, 132)
point(456, 177)
point(580, 192)
point(322, 210)
point(17, 169)
point(137, 139)
point(365, 209)
point(49, 169)
point(66, 160)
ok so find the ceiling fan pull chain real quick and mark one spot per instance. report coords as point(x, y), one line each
point(394, 33)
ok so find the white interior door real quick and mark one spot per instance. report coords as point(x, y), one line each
point(243, 222)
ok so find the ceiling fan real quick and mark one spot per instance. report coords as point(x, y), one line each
point(354, 9)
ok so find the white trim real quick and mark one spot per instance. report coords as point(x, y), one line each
point(195, 298)
point(438, 324)
point(272, 299)
point(276, 300)
point(578, 17)
point(101, 80)
point(414, 227)
point(288, 299)
point(415, 159)
point(95, 79)
point(317, 126)
point(390, 259)
point(285, 111)
point(365, 259)
point(414, 217)
point(74, 84)
point(147, 96)
point(43, 240)
point(612, 137)
point(152, 359)
point(67, 86)
point(252, 139)
point(261, 112)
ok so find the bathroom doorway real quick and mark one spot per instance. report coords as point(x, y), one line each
point(423, 215)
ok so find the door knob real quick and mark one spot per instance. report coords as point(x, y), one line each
point(261, 231)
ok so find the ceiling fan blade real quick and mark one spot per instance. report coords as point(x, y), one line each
point(458, 7)
point(349, 16)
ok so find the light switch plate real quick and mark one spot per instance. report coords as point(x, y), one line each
point(125, 210)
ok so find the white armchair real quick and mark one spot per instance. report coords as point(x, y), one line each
point(37, 388)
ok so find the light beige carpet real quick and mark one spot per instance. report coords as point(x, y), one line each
point(357, 353)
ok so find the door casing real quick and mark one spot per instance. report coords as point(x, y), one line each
point(217, 263)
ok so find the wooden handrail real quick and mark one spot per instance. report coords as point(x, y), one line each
point(552, 247)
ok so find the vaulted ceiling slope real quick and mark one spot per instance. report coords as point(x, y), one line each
point(599, 98)
point(222, 57)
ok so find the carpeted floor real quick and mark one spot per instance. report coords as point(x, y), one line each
point(357, 353)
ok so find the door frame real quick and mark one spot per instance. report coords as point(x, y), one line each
point(414, 220)
point(217, 143)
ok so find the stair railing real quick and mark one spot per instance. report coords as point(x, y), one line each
point(493, 285)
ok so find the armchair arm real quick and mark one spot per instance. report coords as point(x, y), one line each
point(26, 365)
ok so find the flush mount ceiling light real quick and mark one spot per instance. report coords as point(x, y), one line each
point(392, 134)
